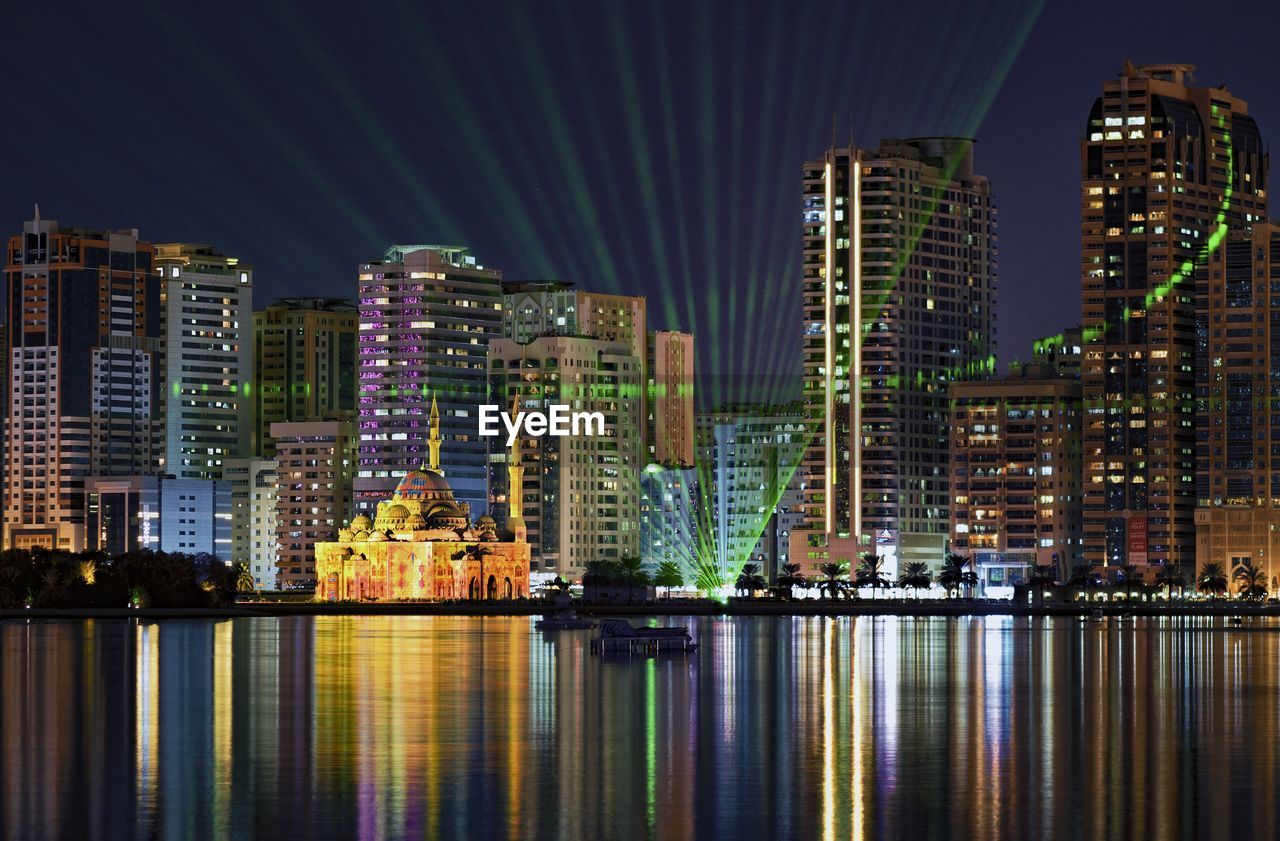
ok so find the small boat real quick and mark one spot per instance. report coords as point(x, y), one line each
point(570, 622)
point(1096, 616)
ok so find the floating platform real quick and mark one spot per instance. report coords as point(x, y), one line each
point(619, 635)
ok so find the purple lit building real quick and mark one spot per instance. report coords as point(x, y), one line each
point(427, 313)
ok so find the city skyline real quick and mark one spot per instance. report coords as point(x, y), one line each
point(323, 202)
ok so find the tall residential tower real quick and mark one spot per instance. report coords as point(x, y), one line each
point(206, 301)
point(899, 301)
point(304, 364)
point(427, 313)
point(84, 317)
point(1167, 171)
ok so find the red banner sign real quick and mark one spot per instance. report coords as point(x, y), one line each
point(1137, 550)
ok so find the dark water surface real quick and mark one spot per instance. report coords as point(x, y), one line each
point(443, 727)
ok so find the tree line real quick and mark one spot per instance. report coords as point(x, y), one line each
point(52, 578)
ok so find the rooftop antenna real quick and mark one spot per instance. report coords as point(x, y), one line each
point(37, 219)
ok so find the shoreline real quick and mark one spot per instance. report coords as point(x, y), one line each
point(735, 608)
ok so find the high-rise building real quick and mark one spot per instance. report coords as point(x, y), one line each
point(554, 308)
point(669, 505)
point(314, 465)
point(1167, 169)
point(581, 492)
point(206, 302)
point(163, 513)
point(750, 482)
point(533, 308)
point(427, 314)
point(1016, 499)
point(1061, 353)
point(899, 301)
point(670, 398)
point(83, 311)
point(254, 487)
point(304, 364)
point(1238, 420)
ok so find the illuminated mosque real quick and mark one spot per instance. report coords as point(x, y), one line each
point(421, 544)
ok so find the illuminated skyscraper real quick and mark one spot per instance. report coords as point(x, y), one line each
point(895, 308)
point(670, 398)
point(1238, 419)
point(206, 302)
point(1015, 476)
point(427, 313)
point(555, 308)
point(749, 486)
point(84, 318)
point(581, 492)
point(1167, 171)
point(314, 461)
point(304, 364)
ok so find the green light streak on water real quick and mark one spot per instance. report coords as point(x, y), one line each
point(651, 746)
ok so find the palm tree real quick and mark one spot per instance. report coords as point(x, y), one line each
point(790, 578)
point(1212, 579)
point(1128, 575)
point(916, 576)
point(833, 572)
point(601, 572)
point(750, 579)
point(1042, 576)
point(869, 574)
point(669, 575)
point(244, 578)
point(956, 573)
point(1170, 576)
point(633, 573)
point(1253, 582)
point(88, 571)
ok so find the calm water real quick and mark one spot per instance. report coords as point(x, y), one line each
point(383, 728)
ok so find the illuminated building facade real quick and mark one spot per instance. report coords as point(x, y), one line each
point(304, 364)
point(1060, 354)
point(163, 513)
point(206, 303)
point(1016, 497)
point(581, 493)
point(896, 307)
point(749, 475)
point(427, 313)
point(1167, 170)
point(669, 505)
point(1238, 421)
point(314, 465)
point(670, 398)
point(254, 489)
point(421, 544)
point(83, 352)
point(555, 308)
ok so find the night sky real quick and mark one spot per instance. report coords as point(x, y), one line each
point(651, 148)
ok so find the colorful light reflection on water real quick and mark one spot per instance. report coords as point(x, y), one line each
point(439, 727)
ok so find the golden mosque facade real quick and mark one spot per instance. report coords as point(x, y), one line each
point(422, 545)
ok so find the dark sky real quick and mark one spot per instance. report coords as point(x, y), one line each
point(651, 148)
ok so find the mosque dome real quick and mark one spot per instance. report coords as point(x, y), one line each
point(423, 484)
point(361, 523)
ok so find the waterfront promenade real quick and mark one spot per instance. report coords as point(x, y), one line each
point(676, 607)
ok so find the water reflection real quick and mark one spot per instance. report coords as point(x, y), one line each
point(845, 728)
